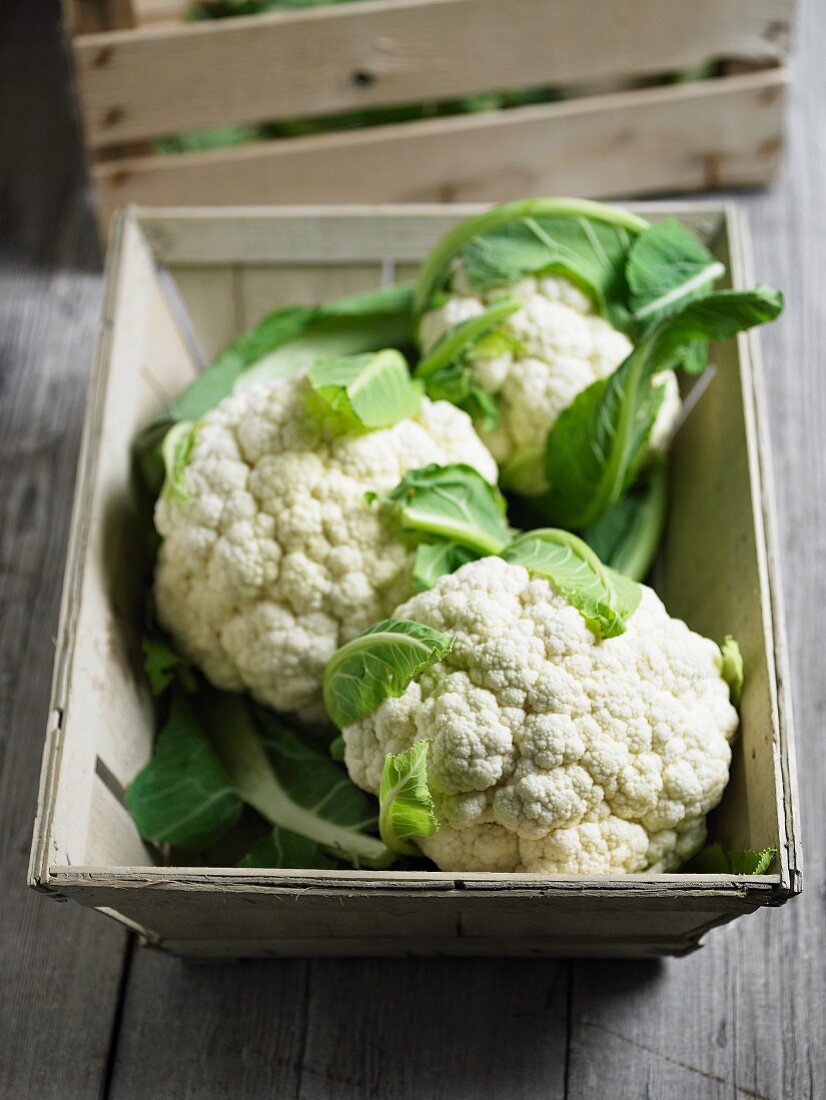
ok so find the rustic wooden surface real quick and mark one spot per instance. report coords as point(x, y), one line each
point(84, 1014)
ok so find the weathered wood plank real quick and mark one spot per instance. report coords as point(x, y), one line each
point(59, 972)
point(445, 1029)
point(677, 137)
point(195, 1031)
point(353, 57)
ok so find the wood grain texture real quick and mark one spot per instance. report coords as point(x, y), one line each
point(233, 1032)
point(683, 137)
point(743, 1018)
point(159, 80)
point(59, 975)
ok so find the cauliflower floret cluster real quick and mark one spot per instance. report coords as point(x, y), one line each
point(552, 752)
point(560, 346)
point(271, 558)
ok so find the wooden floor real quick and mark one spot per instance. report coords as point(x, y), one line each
point(84, 1013)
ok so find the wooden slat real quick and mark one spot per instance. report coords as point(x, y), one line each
point(210, 300)
point(726, 132)
point(341, 915)
point(248, 1022)
point(329, 236)
point(155, 81)
point(100, 708)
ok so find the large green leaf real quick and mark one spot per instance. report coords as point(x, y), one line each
point(281, 848)
point(604, 598)
point(450, 503)
point(453, 344)
point(457, 384)
point(628, 535)
point(284, 343)
point(378, 664)
point(406, 804)
point(446, 373)
point(436, 559)
point(668, 266)
point(584, 241)
point(298, 788)
point(596, 446)
point(373, 390)
point(183, 796)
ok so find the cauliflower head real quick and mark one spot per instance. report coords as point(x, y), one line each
point(560, 346)
point(552, 752)
point(271, 558)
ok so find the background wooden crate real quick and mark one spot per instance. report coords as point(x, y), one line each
point(142, 73)
point(716, 571)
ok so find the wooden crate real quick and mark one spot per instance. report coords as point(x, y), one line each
point(142, 73)
point(717, 571)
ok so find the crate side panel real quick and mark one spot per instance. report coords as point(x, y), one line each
point(711, 577)
point(357, 922)
point(107, 712)
point(351, 58)
point(262, 289)
point(209, 297)
point(254, 237)
point(687, 137)
point(112, 836)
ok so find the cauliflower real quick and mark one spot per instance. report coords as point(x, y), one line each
point(271, 558)
point(559, 346)
point(552, 752)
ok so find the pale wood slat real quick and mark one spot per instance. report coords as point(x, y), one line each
point(152, 81)
point(684, 137)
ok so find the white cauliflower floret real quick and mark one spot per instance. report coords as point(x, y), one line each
point(561, 345)
point(272, 559)
point(552, 752)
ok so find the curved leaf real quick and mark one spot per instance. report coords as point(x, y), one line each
point(668, 266)
point(453, 503)
point(585, 241)
point(604, 598)
point(596, 446)
point(458, 339)
point(176, 451)
point(437, 559)
point(628, 535)
point(378, 664)
point(295, 786)
point(368, 391)
point(284, 343)
point(457, 385)
point(183, 796)
point(406, 804)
